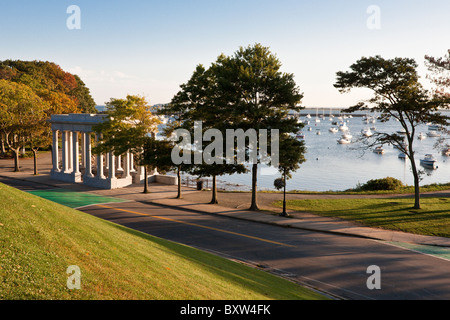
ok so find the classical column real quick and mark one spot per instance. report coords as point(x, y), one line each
point(75, 154)
point(87, 155)
point(112, 167)
point(69, 150)
point(132, 169)
point(83, 149)
point(127, 165)
point(100, 174)
point(55, 150)
point(119, 163)
point(107, 161)
point(65, 152)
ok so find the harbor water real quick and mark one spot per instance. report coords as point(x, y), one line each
point(331, 166)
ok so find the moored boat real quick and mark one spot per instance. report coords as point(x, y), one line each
point(367, 132)
point(333, 129)
point(433, 133)
point(429, 161)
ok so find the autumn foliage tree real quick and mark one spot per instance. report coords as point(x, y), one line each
point(51, 91)
point(129, 124)
point(47, 77)
point(20, 111)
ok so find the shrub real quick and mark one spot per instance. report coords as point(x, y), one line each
point(388, 183)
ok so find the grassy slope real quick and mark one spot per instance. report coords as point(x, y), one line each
point(40, 239)
point(394, 214)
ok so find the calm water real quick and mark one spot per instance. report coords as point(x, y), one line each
point(333, 166)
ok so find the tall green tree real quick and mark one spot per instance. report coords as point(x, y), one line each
point(292, 155)
point(129, 124)
point(253, 93)
point(198, 101)
point(397, 94)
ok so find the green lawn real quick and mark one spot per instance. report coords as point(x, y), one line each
point(393, 214)
point(40, 239)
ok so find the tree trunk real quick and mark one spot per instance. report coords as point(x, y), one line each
point(254, 205)
point(214, 191)
point(145, 180)
point(16, 159)
point(3, 151)
point(179, 183)
point(416, 184)
point(35, 155)
point(284, 213)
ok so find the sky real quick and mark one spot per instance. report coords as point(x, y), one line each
point(151, 47)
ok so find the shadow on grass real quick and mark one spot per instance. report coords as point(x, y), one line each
point(391, 213)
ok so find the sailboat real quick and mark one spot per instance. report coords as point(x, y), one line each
point(317, 115)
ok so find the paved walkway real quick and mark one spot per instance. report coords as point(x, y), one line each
point(165, 195)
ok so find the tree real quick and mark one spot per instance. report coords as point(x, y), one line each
point(40, 136)
point(440, 69)
point(244, 91)
point(83, 97)
point(129, 124)
point(60, 92)
point(47, 77)
point(399, 95)
point(20, 110)
point(254, 94)
point(198, 101)
point(292, 154)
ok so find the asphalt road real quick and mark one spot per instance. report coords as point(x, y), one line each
point(335, 264)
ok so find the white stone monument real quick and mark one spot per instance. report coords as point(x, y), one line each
point(78, 165)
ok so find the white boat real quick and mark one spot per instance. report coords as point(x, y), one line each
point(333, 129)
point(429, 161)
point(422, 136)
point(318, 132)
point(433, 133)
point(379, 150)
point(347, 136)
point(343, 127)
point(308, 116)
point(344, 141)
point(367, 132)
point(433, 127)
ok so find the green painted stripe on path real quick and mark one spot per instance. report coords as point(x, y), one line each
point(74, 199)
point(440, 252)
